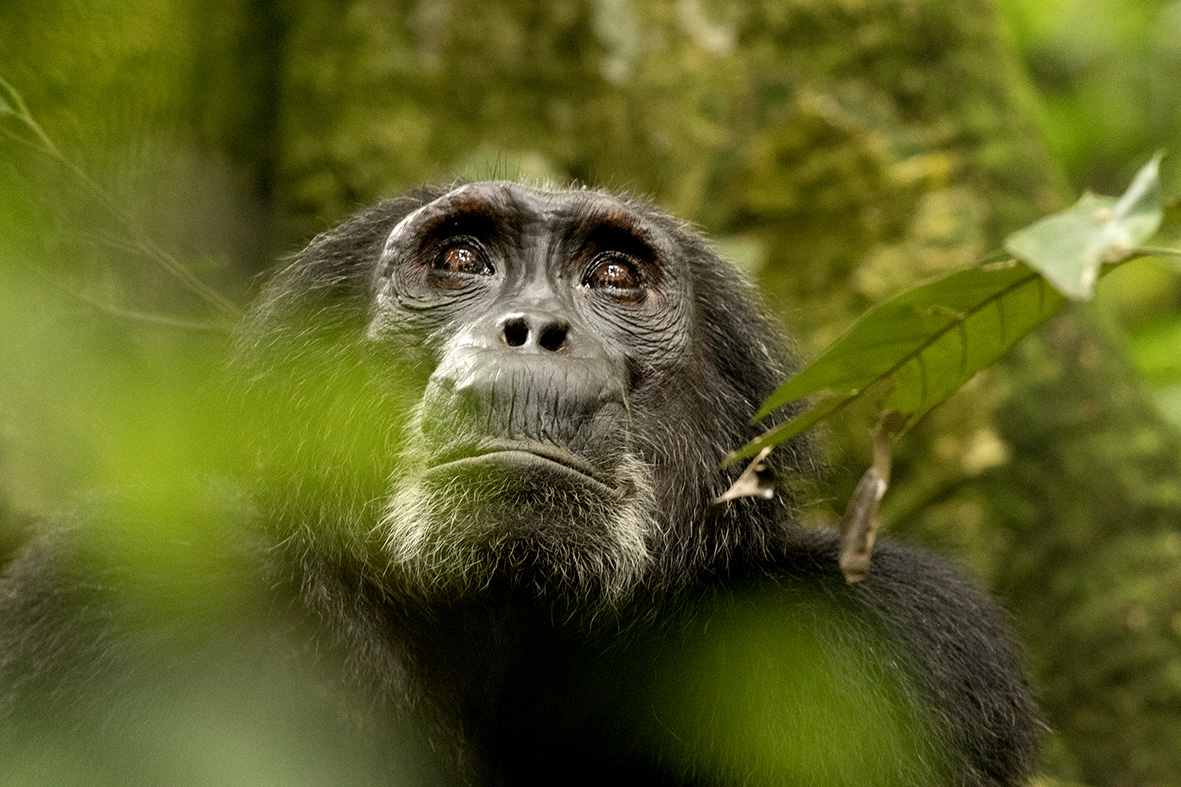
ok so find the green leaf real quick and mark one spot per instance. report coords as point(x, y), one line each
point(917, 348)
point(1070, 247)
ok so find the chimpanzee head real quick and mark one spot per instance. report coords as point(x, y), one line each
point(503, 386)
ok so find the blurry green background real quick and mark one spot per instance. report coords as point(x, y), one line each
point(839, 151)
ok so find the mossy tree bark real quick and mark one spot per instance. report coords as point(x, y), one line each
point(840, 150)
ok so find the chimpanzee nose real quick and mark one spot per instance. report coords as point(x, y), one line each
point(524, 329)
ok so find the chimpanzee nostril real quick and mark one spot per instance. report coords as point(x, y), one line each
point(515, 331)
point(542, 330)
point(553, 337)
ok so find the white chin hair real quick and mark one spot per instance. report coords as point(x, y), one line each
point(450, 534)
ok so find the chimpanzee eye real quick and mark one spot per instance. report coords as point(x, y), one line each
point(463, 259)
point(616, 273)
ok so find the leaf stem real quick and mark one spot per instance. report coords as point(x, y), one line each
point(17, 108)
point(1156, 251)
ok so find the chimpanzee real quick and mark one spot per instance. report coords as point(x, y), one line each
point(490, 421)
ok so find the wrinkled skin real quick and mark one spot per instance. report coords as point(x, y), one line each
point(546, 324)
point(490, 421)
point(574, 368)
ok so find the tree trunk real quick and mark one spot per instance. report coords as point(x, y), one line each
point(839, 150)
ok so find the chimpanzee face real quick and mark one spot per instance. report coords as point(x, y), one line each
point(544, 317)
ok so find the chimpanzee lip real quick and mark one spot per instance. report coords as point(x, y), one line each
point(523, 451)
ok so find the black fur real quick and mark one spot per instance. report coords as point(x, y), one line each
point(529, 631)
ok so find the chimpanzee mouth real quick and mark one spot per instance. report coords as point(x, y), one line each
point(525, 454)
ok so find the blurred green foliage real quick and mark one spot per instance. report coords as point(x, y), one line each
point(1106, 76)
point(838, 703)
point(1106, 73)
point(841, 150)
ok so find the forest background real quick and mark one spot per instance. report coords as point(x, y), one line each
point(839, 151)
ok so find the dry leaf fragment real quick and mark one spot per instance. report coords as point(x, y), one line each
point(859, 526)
